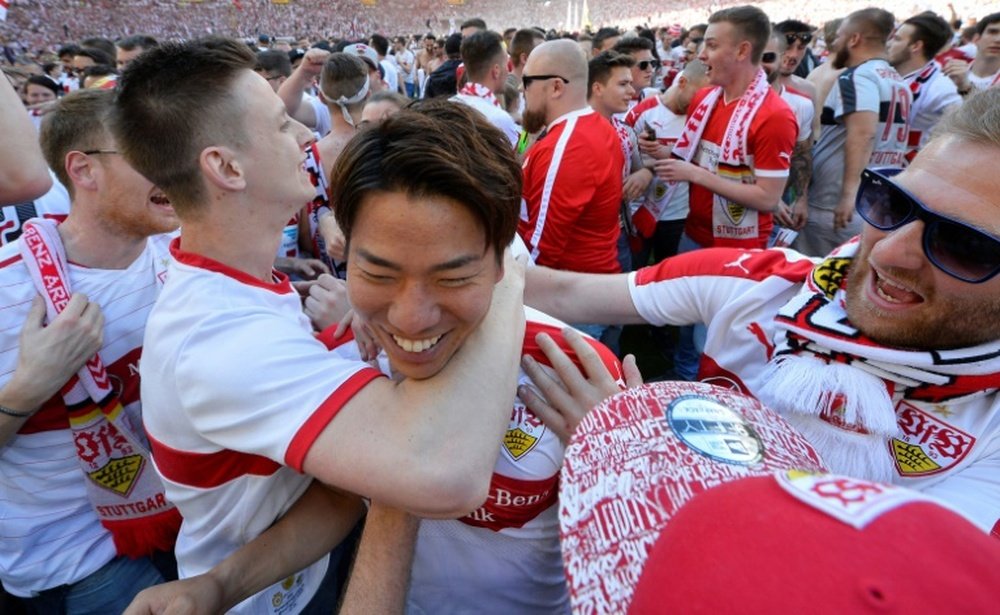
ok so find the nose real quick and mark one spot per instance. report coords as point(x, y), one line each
point(303, 134)
point(901, 248)
point(414, 311)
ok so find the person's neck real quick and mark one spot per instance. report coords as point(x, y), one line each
point(984, 67)
point(915, 63)
point(738, 85)
point(600, 109)
point(518, 72)
point(558, 111)
point(240, 242)
point(669, 100)
point(863, 56)
point(90, 243)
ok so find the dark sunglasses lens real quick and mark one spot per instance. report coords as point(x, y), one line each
point(880, 205)
point(526, 81)
point(806, 38)
point(963, 252)
point(769, 57)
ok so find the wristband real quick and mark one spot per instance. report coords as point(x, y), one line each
point(14, 413)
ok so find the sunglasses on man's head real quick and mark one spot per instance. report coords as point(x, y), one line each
point(645, 64)
point(956, 248)
point(768, 57)
point(805, 37)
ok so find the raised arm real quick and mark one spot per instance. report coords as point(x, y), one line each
point(291, 90)
point(580, 297)
point(24, 175)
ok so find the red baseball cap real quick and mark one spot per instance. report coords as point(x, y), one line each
point(690, 498)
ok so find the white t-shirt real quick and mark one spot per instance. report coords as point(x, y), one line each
point(668, 126)
point(934, 95)
point(323, 122)
point(49, 532)
point(497, 116)
point(949, 450)
point(239, 389)
point(804, 111)
point(391, 74)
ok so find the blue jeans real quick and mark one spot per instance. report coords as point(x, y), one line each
point(108, 590)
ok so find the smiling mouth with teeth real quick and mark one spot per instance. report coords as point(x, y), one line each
point(893, 292)
point(416, 345)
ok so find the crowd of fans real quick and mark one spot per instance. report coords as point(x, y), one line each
point(38, 24)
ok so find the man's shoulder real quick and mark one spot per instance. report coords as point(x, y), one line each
point(640, 110)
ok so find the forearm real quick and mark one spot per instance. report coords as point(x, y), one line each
point(18, 396)
point(580, 297)
point(291, 92)
point(381, 574)
point(755, 196)
point(24, 175)
point(857, 153)
point(801, 173)
point(314, 526)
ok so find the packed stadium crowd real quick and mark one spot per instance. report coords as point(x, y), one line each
point(318, 306)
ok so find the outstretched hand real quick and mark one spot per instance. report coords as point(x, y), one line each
point(562, 400)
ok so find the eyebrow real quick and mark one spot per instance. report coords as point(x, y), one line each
point(455, 263)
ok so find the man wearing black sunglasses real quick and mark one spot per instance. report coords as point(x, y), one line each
point(645, 69)
point(885, 354)
point(799, 59)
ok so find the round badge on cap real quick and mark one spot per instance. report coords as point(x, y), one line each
point(640, 456)
point(713, 430)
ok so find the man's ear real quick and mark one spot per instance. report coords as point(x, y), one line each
point(222, 169)
point(80, 169)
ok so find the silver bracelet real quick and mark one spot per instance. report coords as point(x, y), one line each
point(14, 413)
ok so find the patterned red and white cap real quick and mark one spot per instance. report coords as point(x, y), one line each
point(690, 498)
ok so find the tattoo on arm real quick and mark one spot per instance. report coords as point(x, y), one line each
point(801, 171)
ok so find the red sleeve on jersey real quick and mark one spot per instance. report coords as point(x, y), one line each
point(772, 139)
point(733, 262)
point(315, 424)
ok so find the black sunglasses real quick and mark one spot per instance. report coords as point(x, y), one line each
point(528, 79)
point(956, 248)
point(805, 37)
point(645, 64)
point(768, 57)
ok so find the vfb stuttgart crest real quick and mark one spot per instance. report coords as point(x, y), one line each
point(927, 445)
point(829, 274)
point(523, 433)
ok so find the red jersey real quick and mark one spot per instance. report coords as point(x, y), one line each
point(771, 140)
point(572, 195)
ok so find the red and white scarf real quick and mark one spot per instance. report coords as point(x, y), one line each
point(916, 80)
point(113, 454)
point(480, 91)
point(734, 142)
point(836, 385)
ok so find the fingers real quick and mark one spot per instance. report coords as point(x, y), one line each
point(630, 368)
point(564, 367)
point(552, 418)
point(36, 315)
point(593, 366)
point(343, 325)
